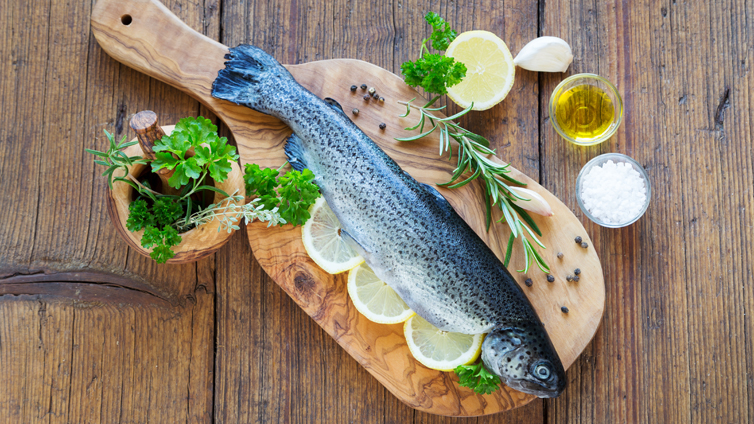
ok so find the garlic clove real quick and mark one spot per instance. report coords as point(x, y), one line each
point(536, 203)
point(545, 54)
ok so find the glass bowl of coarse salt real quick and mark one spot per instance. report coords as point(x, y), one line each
point(613, 190)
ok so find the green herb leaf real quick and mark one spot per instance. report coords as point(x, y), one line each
point(166, 211)
point(297, 192)
point(162, 240)
point(442, 35)
point(477, 378)
point(138, 215)
point(434, 73)
point(260, 182)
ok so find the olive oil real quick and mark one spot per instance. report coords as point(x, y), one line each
point(584, 112)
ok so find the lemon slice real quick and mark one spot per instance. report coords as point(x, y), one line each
point(374, 298)
point(440, 350)
point(321, 236)
point(489, 69)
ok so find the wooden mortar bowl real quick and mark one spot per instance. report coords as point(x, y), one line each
point(196, 243)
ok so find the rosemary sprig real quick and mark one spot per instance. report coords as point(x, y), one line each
point(472, 157)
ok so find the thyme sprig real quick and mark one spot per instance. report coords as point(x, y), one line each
point(472, 157)
point(229, 213)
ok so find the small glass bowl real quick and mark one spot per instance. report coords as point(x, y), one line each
point(599, 82)
point(617, 158)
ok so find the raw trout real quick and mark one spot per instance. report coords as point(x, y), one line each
point(406, 231)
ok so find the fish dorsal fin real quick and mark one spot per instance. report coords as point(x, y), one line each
point(438, 198)
point(335, 105)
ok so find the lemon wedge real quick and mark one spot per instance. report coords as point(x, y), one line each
point(440, 350)
point(377, 301)
point(322, 241)
point(489, 69)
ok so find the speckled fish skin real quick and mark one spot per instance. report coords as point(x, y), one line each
point(407, 232)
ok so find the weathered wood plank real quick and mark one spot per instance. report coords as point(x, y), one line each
point(675, 336)
point(134, 346)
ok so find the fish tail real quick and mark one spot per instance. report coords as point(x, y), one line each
point(248, 73)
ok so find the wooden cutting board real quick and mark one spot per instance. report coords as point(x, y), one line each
point(145, 35)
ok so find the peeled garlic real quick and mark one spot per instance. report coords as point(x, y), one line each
point(545, 54)
point(536, 203)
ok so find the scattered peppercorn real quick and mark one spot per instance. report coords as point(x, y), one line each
point(569, 278)
point(366, 97)
point(550, 278)
point(576, 278)
point(376, 96)
point(382, 100)
point(353, 88)
point(382, 126)
point(584, 244)
point(371, 90)
point(560, 255)
point(528, 282)
point(363, 86)
point(564, 309)
point(577, 271)
point(578, 240)
point(355, 111)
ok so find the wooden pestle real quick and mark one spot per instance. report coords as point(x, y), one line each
point(148, 132)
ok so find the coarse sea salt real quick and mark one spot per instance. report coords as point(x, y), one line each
point(614, 193)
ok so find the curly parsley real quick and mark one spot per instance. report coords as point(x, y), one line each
point(292, 193)
point(477, 378)
point(435, 72)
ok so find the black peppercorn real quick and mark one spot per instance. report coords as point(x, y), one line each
point(382, 100)
point(366, 97)
point(550, 278)
point(355, 111)
point(577, 271)
point(382, 126)
point(363, 86)
point(576, 278)
point(569, 278)
point(528, 282)
point(578, 240)
point(353, 88)
point(564, 309)
point(560, 255)
point(584, 244)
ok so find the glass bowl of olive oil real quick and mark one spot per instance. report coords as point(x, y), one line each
point(586, 109)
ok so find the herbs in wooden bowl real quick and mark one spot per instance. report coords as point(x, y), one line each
point(177, 195)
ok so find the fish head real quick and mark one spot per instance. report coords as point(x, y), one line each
point(524, 359)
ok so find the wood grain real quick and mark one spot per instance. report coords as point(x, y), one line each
point(380, 349)
point(676, 341)
point(88, 331)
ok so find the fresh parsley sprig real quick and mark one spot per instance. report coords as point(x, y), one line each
point(291, 193)
point(473, 162)
point(431, 71)
point(477, 378)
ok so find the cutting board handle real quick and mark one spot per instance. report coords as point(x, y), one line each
point(146, 36)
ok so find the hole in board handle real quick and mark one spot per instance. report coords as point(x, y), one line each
point(126, 20)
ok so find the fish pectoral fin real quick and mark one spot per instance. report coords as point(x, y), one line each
point(334, 105)
point(438, 198)
point(355, 245)
point(295, 152)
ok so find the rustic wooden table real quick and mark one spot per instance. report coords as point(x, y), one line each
point(92, 332)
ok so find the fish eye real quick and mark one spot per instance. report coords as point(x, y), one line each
point(542, 372)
